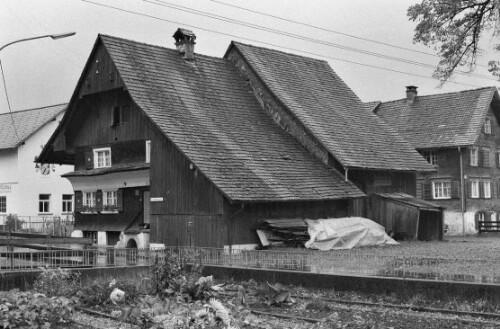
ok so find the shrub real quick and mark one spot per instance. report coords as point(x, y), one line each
point(57, 282)
point(25, 309)
point(13, 223)
point(97, 293)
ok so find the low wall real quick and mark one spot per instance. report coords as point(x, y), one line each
point(366, 284)
point(23, 280)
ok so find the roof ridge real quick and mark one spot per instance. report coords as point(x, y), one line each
point(33, 109)
point(280, 51)
point(439, 95)
point(153, 45)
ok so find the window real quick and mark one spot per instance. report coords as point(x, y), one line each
point(474, 188)
point(119, 115)
point(487, 189)
point(441, 190)
point(110, 199)
point(67, 203)
point(487, 126)
point(44, 203)
point(148, 151)
point(3, 204)
point(473, 157)
point(91, 235)
point(102, 158)
point(485, 157)
point(88, 199)
point(431, 157)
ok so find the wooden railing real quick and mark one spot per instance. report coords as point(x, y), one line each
point(489, 226)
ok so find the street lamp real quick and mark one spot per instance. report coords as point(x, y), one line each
point(52, 36)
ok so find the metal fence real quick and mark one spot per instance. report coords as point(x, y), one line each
point(358, 263)
point(53, 225)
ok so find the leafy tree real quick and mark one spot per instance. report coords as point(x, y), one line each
point(454, 28)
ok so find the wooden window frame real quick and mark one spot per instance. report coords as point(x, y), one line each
point(432, 157)
point(106, 159)
point(440, 191)
point(486, 195)
point(91, 204)
point(474, 157)
point(67, 203)
point(44, 203)
point(109, 208)
point(473, 195)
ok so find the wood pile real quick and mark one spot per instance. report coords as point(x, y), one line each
point(290, 232)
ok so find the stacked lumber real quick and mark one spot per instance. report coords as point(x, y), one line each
point(283, 232)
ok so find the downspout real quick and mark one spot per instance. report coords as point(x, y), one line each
point(345, 174)
point(462, 189)
point(230, 229)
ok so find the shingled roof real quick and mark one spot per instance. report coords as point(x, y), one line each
point(210, 113)
point(331, 111)
point(441, 120)
point(27, 122)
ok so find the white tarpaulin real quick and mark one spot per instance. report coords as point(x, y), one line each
point(345, 233)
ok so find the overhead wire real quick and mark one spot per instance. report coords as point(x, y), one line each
point(263, 42)
point(8, 102)
point(304, 38)
point(328, 30)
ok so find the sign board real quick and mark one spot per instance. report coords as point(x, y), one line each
point(5, 188)
point(157, 199)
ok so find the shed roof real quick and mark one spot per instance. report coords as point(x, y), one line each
point(332, 112)
point(441, 120)
point(409, 200)
point(26, 123)
point(210, 113)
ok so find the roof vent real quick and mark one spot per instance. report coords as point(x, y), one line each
point(411, 93)
point(184, 41)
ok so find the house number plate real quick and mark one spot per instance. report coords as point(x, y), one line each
point(157, 199)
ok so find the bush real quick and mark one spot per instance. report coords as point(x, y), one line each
point(29, 310)
point(57, 282)
point(13, 223)
point(97, 293)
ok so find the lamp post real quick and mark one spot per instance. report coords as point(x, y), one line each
point(52, 36)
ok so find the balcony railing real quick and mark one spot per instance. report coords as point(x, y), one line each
point(53, 225)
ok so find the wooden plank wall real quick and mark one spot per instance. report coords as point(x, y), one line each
point(395, 217)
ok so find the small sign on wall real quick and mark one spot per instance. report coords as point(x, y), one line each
point(156, 199)
point(5, 188)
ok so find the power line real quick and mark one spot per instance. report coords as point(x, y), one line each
point(262, 42)
point(8, 102)
point(304, 38)
point(329, 30)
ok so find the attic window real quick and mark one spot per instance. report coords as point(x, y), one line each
point(487, 126)
point(120, 115)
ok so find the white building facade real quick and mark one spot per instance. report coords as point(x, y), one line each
point(33, 192)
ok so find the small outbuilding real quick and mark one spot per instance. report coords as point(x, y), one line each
point(407, 217)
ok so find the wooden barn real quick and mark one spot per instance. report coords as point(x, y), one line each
point(407, 217)
point(176, 148)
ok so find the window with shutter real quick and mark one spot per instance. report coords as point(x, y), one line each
point(486, 157)
point(473, 157)
point(474, 188)
point(441, 189)
point(486, 189)
point(487, 126)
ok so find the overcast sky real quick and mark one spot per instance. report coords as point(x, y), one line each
point(45, 72)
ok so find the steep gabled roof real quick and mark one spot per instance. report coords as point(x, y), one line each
point(27, 122)
point(441, 120)
point(330, 110)
point(209, 112)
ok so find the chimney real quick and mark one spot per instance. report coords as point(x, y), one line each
point(184, 41)
point(411, 93)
